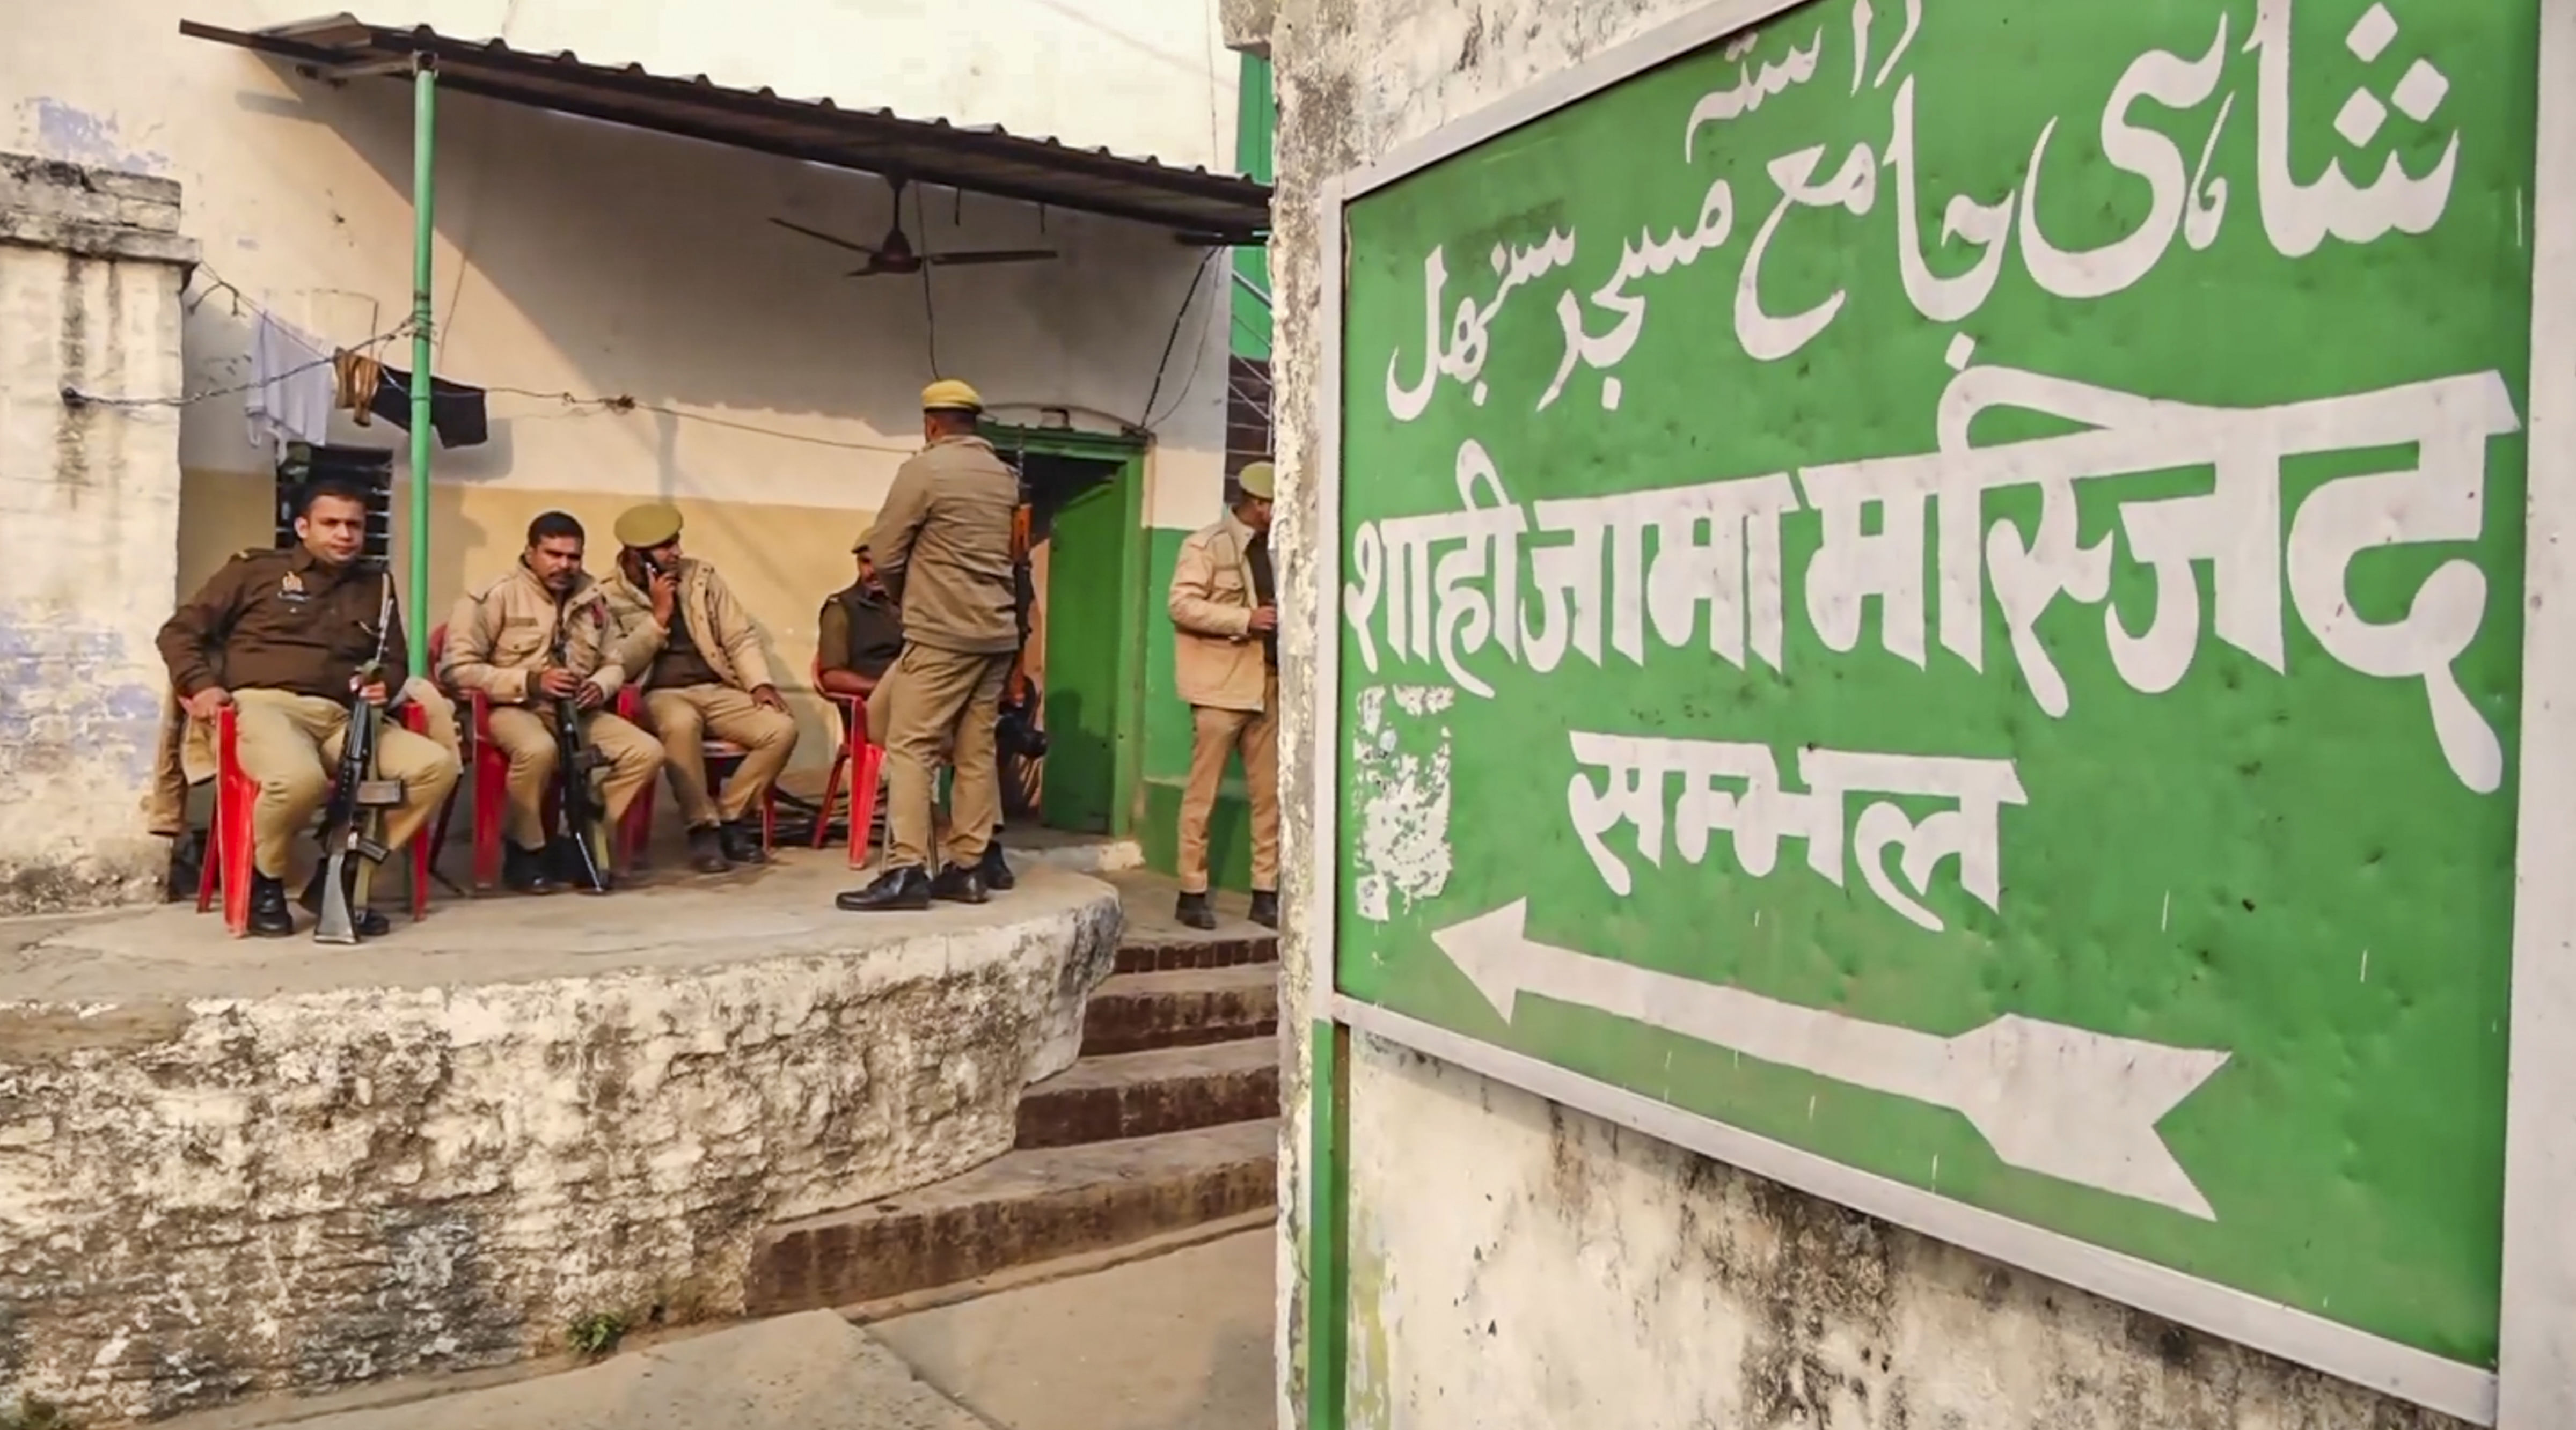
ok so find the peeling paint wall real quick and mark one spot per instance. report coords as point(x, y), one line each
point(1517, 1264)
point(89, 515)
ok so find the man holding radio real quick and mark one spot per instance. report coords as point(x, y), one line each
point(698, 654)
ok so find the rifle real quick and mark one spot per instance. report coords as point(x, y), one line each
point(1016, 732)
point(578, 818)
point(353, 824)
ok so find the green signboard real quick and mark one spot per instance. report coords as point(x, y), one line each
point(1942, 586)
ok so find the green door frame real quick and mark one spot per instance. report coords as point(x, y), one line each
point(1127, 772)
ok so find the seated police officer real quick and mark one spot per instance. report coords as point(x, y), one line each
point(281, 636)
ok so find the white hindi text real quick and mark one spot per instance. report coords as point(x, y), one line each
point(1692, 789)
point(1595, 577)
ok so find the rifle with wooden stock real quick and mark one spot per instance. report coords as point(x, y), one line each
point(1017, 733)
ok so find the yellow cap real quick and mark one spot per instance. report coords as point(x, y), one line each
point(1257, 480)
point(950, 395)
point(862, 543)
point(647, 526)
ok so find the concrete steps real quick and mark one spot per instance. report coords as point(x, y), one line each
point(1167, 1128)
point(1153, 1092)
point(1135, 1011)
point(1033, 1205)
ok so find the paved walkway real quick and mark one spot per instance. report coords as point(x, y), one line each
point(809, 1372)
point(1179, 1342)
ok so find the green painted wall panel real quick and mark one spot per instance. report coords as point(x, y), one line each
point(2018, 561)
point(1255, 126)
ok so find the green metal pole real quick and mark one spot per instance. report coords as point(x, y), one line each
point(1328, 1287)
point(424, 205)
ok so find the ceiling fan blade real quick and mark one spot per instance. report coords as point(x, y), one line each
point(827, 238)
point(993, 255)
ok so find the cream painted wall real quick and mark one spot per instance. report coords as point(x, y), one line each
point(772, 396)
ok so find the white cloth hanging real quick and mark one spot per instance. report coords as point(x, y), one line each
point(291, 386)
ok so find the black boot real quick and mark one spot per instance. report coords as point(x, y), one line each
point(741, 843)
point(587, 876)
point(366, 923)
point(996, 869)
point(959, 884)
point(525, 871)
point(906, 888)
point(706, 850)
point(268, 915)
point(1265, 908)
point(1194, 911)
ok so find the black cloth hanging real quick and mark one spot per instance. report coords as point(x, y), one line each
point(456, 411)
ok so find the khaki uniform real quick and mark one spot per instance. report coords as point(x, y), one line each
point(186, 753)
point(728, 643)
point(942, 545)
point(286, 633)
point(499, 641)
point(1224, 670)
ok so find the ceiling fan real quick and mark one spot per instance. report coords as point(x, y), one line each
point(894, 253)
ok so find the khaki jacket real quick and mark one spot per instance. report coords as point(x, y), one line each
point(501, 637)
point(1217, 659)
point(727, 636)
point(942, 545)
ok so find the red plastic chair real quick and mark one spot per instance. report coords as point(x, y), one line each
point(488, 766)
point(228, 852)
point(865, 764)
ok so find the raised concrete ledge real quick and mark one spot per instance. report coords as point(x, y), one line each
point(92, 213)
point(238, 1167)
point(1247, 25)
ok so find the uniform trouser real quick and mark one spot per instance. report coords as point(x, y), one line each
point(290, 744)
point(1215, 735)
point(528, 738)
point(178, 762)
point(944, 705)
point(684, 717)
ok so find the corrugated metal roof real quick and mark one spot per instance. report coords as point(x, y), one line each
point(979, 159)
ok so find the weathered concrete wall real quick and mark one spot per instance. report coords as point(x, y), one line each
point(211, 1197)
point(90, 269)
point(1516, 1264)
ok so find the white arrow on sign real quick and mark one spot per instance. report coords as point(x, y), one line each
point(2079, 1106)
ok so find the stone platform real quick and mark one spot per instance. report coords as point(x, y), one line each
point(237, 1167)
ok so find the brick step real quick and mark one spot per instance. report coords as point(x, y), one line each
point(1149, 1093)
point(1027, 1207)
point(1228, 946)
point(1131, 1012)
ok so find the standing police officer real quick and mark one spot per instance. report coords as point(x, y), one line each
point(943, 549)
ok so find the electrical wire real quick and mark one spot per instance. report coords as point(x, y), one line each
point(623, 403)
point(1198, 280)
point(929, 312)
point(79, 397)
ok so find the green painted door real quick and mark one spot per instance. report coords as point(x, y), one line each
point(1084, 553)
